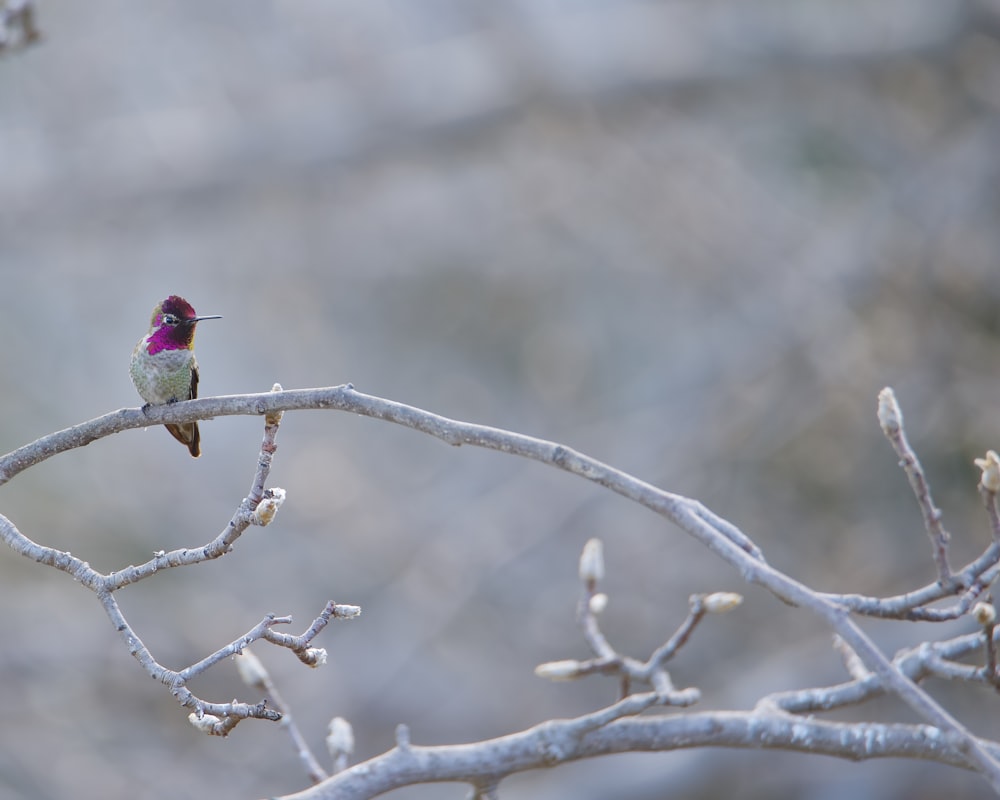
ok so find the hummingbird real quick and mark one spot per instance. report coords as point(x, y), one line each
point(163, 367)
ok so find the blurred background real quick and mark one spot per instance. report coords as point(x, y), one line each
point(692, 238)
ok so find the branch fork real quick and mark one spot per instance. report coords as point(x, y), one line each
point(777, 720)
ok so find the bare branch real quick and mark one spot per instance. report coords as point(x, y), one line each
point(256, 676)
point(311, 656)
point(891, 420)
point(950, 741)
point(971, 581)
point(925, 660)
point(563, 741)
point(213, 718)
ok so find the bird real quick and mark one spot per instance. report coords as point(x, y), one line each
point(163, 366)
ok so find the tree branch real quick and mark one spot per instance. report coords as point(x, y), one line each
point(258, 508)
point(562, 741)
point(951, 742)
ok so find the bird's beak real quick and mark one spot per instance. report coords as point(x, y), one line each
point(207, 316)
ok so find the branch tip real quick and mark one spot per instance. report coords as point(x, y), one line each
point(264, 513)
point(721, 602)
point(565, 670)
point(206, 723)
point(984, 614)
point(592, 562)
point(343, 611)
point(402, 736)
point(890, 418)
point(597, 603)
point(340, 737)
point(313, 657)
point(990, 466)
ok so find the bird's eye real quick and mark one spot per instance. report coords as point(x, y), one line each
point(170, 319)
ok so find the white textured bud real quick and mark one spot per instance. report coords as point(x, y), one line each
point(342, 611)
point(721, 602)
point(889, 415)
point(984, 613)
point(558, 670)
point(274, 417)
point(314, 657)
point(340, 739)
point(598, 603)
point(592, 561)
point(206, 722)
point(268, 507)
point(251, 671)
point(990, 479)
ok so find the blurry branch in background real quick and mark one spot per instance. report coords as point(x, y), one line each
point(782, 720)
point(17, 24)
point(255, 676)
point(651, 672)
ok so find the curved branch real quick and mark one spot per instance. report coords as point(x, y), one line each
point(561, 741)
point(719, 536)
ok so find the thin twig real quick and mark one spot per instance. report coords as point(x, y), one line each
point(891, 419)
point(971, 581)
point(256, 675)
point(668, 649)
